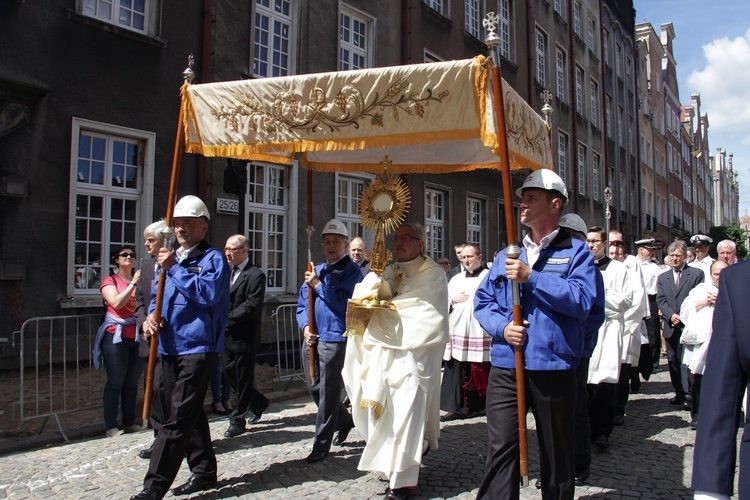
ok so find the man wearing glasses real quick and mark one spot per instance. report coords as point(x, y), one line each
point(246, 293)
point(392, 368)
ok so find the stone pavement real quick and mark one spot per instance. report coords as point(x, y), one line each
point(649, 457)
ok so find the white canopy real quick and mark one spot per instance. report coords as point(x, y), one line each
point(436, 117)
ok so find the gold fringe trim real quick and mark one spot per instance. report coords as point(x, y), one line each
point(376, 407)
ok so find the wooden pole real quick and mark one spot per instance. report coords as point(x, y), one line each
point(179, 144)
point(310, 291)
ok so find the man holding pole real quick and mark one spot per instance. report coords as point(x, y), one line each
point(557, 280)
point(331, 283)
point(190, 337)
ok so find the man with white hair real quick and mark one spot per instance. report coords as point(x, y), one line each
point(727, 250)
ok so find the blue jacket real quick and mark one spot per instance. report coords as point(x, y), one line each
point(556, 301)
point(196, 303)
point(331, 298)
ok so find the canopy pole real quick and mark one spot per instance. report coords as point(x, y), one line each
point(168, 233)
point(512, 251)
point(313, 349)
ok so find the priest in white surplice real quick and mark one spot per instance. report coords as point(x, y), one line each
point(392, 367)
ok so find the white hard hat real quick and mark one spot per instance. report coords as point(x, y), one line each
point(191, 206)
point(546, 179)
point(574, 222)
point(335, 226)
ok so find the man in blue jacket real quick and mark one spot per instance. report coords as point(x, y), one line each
point(332, 283)
point(557, 280)
point(194, 315)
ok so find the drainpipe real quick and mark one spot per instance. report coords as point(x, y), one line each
point(205, 78)
point(574, 107)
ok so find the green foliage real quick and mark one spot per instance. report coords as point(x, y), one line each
point(735, 232)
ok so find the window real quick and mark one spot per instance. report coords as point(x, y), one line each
point(596, 162)
point(561, 9)
point(541, 57)
point(605, 46)
point(503, 28)
point(134, 16)
point(618, 59)
point(577, 19)
point(273, 38)
point(579, 90)
point(436, 5)
point(582, 178)
point(594, 90)
point(475, 209)
point(619, 125)
point(108, 202)
point(608, 114)
point(561, 72)
point(354, 39)
point(435, 221)
point(562, 155)
point(473, 17)
point(591, 31)
point(348, 193)
point(623, 198)
point(267, 220)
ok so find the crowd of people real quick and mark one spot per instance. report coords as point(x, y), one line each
point(595, 322)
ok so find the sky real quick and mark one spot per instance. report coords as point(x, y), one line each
point(712, 51)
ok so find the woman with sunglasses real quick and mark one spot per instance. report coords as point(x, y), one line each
point(117, 342)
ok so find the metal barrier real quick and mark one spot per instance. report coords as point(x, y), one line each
point(288, 344)
point(56, 375)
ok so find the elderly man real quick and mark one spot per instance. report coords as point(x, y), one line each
point(153, 241)
point(357, 253)
point(727, 250)
point(557, 278)
point(191, 336)
point(673, 286)
point(246, 293)
point(332, 283)
point(392, 370)
point(467, 354)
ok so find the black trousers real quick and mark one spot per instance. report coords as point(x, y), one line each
point(602, 408)
point(674, 361)
point(325, 389)
point(552, 397)
point(653, 327)
point(239, 368)
point(583, 426)
point(622, 391)
point(182, 382)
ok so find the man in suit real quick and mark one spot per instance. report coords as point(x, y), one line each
point(672, 287)
point(246, 293)
point(153, 240)
point(725, 380)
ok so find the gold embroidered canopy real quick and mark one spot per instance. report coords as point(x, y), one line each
point(436, 117)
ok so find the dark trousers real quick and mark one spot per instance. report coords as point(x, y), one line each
point(182, 382)
point(653, 327)
point(552, 397)
point(695, 392)
point(674, 361)
point(583, 426)
point(239, 368)
point(602, 408)
point(325, 389)
point(124, 369)
point(622, 390)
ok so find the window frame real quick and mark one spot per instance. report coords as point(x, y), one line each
point(561, 72)
point(367, 54)
point(476, 227)
point(353, 222)
point(540, 56)
point(143, 195)
point(149, 14)
point(563, 150)
point(435, 246)
point(291, 22)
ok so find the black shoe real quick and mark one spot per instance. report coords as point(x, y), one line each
point(677, 400)
point(601, 442)
point(538, 484)
point(148, 494)
point(687, 405)
point(255, 415)
point(340, 438)
point(196, 483)
point(581, 478)
point(397, 494)
point(234, 429)
point(145, 453)
point(316, 456)
point(619, 420)
point(694, 424)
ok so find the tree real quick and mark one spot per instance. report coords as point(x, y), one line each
point(734, 232)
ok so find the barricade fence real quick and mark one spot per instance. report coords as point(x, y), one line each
point(55, 370)
point(288, 344)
